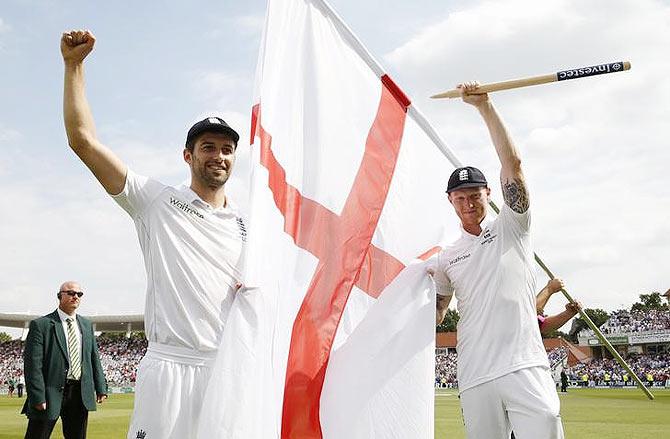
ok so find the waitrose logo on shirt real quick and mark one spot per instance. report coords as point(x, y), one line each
point(181, 205)
point(459, 259)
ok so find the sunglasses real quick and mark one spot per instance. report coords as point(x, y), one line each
point(72, 293)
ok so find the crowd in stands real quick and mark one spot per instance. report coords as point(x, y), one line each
point(445, 370)
point(626, 322)
point(120, 357)
point(445, 366)
point(557, 355)
point(11, 362)
point(650, 368)
point(607, 372)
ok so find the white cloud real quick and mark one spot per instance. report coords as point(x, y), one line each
point(63, 227)
point(9, 140)
point(8, 135)
point(219, 89)
point(245, 25)
point(4, 27)
point(249, 24)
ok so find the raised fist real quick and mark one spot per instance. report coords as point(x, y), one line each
point(573, 307)
point(75, 45)
point(467, 93)
point(555, 285)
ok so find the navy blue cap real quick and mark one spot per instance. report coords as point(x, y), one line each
point(211, 125)
point(466, 177)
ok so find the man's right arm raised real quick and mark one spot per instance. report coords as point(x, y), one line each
point(79, 125)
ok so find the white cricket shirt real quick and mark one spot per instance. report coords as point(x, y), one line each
point(191, 256)
point(493, 279)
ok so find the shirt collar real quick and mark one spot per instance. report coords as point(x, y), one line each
point(486, 222)
point(64, 317)
point(229, 209)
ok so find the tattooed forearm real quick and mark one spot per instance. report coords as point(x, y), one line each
point(441, 308)
point(516, 195)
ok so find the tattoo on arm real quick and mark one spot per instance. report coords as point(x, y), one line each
point(441, 308)
point(443, 301)
point(516, 195)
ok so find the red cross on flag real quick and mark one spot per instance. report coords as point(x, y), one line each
point(333, 336)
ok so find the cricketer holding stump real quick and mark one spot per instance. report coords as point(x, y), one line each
point(503, 370)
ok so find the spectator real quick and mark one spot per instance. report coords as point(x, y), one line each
point(10, 386)
point(20, 385)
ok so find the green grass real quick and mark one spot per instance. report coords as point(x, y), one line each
point(110, 421)
point(587, 413)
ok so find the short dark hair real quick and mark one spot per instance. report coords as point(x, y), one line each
point(190, 145)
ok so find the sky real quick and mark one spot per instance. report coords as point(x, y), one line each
point(594, 150)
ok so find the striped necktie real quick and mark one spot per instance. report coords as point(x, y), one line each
point(73, 349)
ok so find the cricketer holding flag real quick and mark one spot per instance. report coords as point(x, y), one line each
point(191, 239)
point(503, 371)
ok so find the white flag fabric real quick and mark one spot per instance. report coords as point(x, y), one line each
point(333, 334)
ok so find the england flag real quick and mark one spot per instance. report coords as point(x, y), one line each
point(333, 334)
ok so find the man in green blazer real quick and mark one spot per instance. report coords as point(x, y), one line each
point(62, 369)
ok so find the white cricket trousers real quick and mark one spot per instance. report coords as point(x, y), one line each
point(524, 401)
point(171, 383)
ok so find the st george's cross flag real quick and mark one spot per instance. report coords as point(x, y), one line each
point(333, 334)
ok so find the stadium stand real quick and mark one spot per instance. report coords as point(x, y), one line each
point(445, 365)
point(11, 362)
point(623, 321)
point(120, 357)
point(626, 322)
point(654, 369)
point(557, 356)
point(445, 370)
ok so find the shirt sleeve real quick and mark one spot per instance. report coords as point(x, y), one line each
point(518, 221)
point(443, 285)
point(138, 193)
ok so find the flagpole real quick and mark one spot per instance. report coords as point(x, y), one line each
point(589, 322)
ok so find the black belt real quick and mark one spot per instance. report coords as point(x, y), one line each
point(72, 382)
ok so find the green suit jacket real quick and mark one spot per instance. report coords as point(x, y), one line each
point(46, 365)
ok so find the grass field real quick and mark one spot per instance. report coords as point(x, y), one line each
point(588, 413)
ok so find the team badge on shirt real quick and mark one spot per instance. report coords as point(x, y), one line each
point(488, 237)
point(243, 229)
